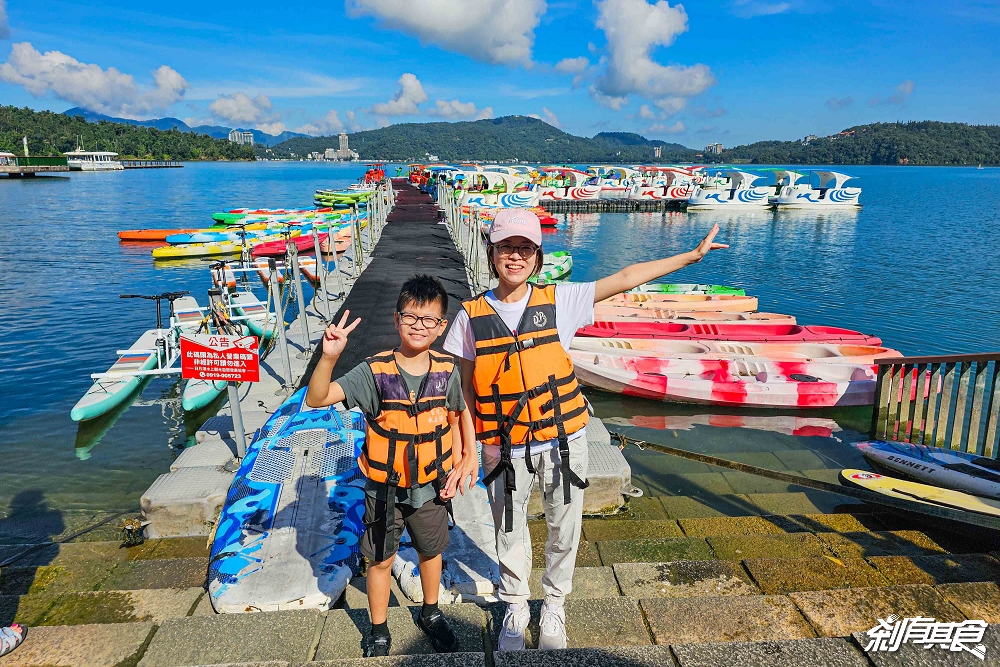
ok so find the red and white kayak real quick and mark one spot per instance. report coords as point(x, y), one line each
point(715, 302)
point(741, 331)
point(615, 313)
point(816, 353)
point(743, 382)
point(304, 244)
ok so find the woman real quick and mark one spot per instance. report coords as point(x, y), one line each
point(529, 413)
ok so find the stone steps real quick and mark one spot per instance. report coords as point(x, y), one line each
point(650, 588)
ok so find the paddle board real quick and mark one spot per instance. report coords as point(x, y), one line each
point(933, 465)
point(921, 493)
point(288, 534)
point(106, 393)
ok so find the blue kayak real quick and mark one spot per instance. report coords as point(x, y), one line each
point(288, 534)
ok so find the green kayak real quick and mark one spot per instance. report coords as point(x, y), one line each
point(688, 288)
point(557, 265)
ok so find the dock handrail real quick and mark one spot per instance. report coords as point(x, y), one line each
point(948, 401)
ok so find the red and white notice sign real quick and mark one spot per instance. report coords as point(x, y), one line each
point(210, 357)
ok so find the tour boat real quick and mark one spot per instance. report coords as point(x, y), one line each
point(830, 193)
point(755, 382)
point(81, 160)
point(735, 191)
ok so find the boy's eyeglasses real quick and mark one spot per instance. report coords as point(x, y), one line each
point(507, 249)
point(429, 322)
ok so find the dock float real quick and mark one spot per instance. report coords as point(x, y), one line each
point(610, 206)
point(151, 164)
point(28, 167)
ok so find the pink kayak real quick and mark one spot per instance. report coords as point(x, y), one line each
point(304, 244)
point(741, 331)
point(617, 313)
point(714, 302)
point(763, 383)
point(817, 353)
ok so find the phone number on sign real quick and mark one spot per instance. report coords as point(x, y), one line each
point(219, 375)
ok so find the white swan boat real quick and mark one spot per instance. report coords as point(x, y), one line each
point(564, 184)
point(735, 191)
point(830, 193)
point(664, 184)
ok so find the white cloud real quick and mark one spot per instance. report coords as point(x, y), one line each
point(484, 114)
point(499, 31)
point(328, 125)
point(194, 121)
point(632, 29)
point(241, 109)
point(107, 91)
point(410, 94)
point(670, 105)
point(898, 98)
point(550, 117)
point(4, 26)
point(573, 65)
point(835, 104)
point(660, 128)
point(453, 109)
point(646, 113)
point(751, 8)
point(615, 102)
point(272, 128)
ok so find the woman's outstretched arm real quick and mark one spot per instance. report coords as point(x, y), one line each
point(637, 274)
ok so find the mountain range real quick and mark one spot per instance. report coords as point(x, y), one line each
point(215, 131)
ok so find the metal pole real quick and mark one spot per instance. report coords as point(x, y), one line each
point(321, 268)
point(279, 311)
point(359, 253)
point(238, 431)
point(293, 256)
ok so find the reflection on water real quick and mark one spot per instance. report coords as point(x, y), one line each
point(787, 424)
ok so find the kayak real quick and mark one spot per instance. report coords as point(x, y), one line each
point(264, 271)
point(947, 468)
point(547, 221)
point(304, 244)
point(151, 234)
point(218, 249)
point(687, 288)
point(213, 236)
point(556, 265)
point(742, 331)
point(287, 537)
point(751, 382)
point(622, 312)
point(921, 493)
point(107, 393)
point(717, 302)
point(817, 353)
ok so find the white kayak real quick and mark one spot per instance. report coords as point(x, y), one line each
point(107, 393)
point(933, 465)
point(820, 353)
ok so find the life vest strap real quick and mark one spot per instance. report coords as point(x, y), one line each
point(413, 409)
point(408, 438)
point(534, 392)
point(569, 477)
point(509, 347)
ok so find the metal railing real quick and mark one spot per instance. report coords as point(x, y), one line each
point(466, 232)
point(946, 401)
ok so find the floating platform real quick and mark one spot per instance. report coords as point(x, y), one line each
point(151, 164)
point(610, 206)
point(21, 167)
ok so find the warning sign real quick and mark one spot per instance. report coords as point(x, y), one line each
point(231, 358)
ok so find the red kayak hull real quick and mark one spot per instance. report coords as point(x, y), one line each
point(787, 333)
point(303, 244)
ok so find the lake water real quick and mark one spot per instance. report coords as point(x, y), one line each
point(917, 266)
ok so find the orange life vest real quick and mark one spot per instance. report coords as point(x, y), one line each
point(409, 442)
point(525, 386)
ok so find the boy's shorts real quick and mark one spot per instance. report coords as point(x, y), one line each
point(427, 525)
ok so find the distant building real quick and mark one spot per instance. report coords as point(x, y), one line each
point(658, 152)
point(330, 154)
point(241, 137)
point(713, 149)
point(343, 141)
point(809, 137)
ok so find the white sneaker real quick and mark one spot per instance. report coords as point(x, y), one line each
point(515, 621)
point(552, 628)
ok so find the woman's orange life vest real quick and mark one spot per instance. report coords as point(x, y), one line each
point(409, 442)
point(525, 386)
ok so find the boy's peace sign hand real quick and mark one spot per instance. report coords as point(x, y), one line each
point(335, 336)
point(708, 244)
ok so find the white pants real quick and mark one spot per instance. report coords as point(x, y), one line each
point(564, 523)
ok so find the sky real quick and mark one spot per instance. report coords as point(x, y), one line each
point(728, 71)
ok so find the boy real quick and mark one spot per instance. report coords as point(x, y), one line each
point(419, 429)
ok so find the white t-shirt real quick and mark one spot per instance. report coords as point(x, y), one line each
point(574, 309)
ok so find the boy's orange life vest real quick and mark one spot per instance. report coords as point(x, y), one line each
point(525, 386)
point(409, 442)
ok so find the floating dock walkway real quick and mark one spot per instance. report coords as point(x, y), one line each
point(708, 568)
point(28, 167)
point(610, 206)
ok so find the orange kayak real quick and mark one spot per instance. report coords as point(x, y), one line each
point(702, 302)
point(151, 234)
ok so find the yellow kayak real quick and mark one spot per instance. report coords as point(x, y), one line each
point(217, 249)
point(922, 493)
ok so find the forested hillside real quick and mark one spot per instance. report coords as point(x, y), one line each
point(49, 133)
